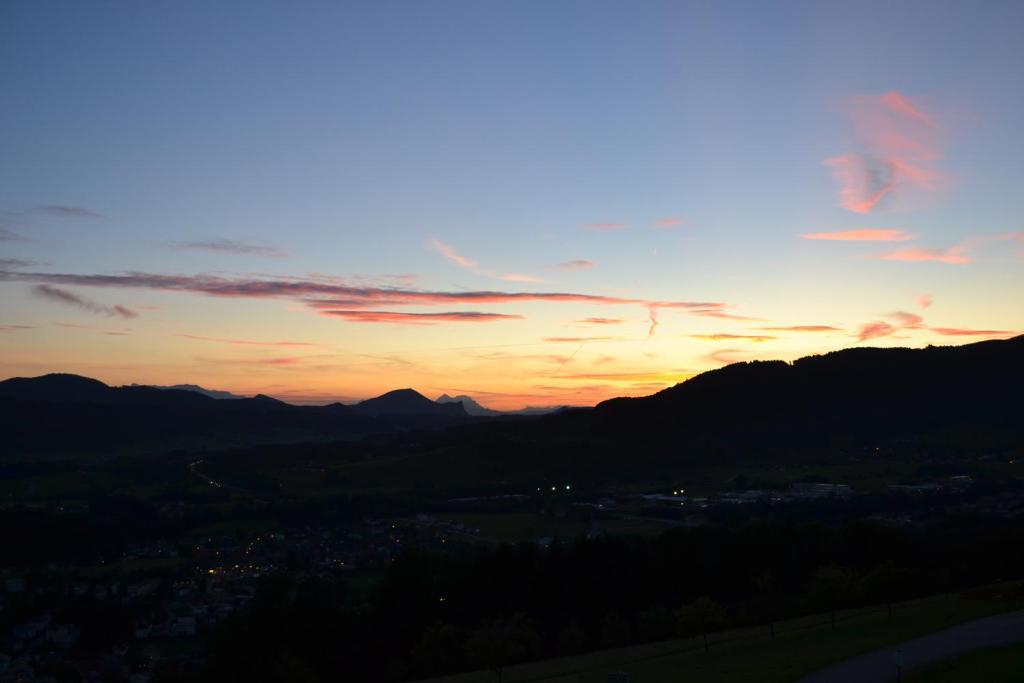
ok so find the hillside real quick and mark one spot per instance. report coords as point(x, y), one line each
point(861, 392)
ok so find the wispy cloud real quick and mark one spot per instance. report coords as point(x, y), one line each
point(452, 255)
point(245, 342)
point(601, 321)
point(666, 377)
point(899, 145)
point(924, 300)
point(519, 277)
point(323, 294)
point(420, 318)
point(727, 336)
point(802, 328)
point(578, 340)
point(224, 246)
point(63, 296)
point(66, 211)
point(274, 361)
point(901, 320)
point(14, 328)
point(605, 226)
point(875, 330)
point(576, 264)
point(472, 266)
point(718, 312)
point(864, 235)
point(966, 332)
point(8, 235)
point(956, 255)
point(16, 263)
point(728, 356)
point(907, 320)
point(669, 222)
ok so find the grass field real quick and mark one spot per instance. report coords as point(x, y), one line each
point(800, 646)
point(998, 665)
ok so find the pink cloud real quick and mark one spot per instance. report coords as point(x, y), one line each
point(802, 328)
point(452, 255)
point(955, 255)
point(455, 257)
point(223, 246)
point(577, 340)
point(726, 336)
point(63, 296)
point(899, 146)
point(335, 294)
point(520, 277)
point(865, 235)
point(577, 264)
point(962, 332)
point(602, 321)
point(668, 222)
point(245, 342)
point(875, 330)
point(728, 356)
point(717, 312)
point(607, 226)
point(420, 318)
point(924, 300)
point(907, 320)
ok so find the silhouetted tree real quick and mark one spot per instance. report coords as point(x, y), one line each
point(699, 617)
point(499, 643)
point(439, 650)
point(615, 630)
point(831, 587)
point(887, 583)
point(763, 586)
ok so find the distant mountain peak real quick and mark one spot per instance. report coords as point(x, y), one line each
point(470, 404)
point(406, 402)
point(195, 388)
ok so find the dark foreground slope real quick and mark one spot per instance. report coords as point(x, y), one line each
point(73, 414)
point(855, 393)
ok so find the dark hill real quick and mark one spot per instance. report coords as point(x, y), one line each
point(407, 402)
point(859, 393)
point(68, 413)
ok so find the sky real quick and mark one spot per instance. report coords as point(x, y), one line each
point(533, 203)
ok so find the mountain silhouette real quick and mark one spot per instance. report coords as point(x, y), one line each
point(407, 402)
point(63, 412)
point(862, 393)
point(470, 405)
point(212, 393)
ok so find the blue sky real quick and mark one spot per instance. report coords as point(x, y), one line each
point(349, 135)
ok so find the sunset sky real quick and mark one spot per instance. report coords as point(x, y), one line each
point(533, 203)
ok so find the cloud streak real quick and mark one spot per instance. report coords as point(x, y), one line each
point(404, 318)
point(865, 235)
point(452, 255)
point(965, 332)
point(956, 255)
point(802, 328)
point(68, 298)
point(601, 321)
point(668, 222)
point(727, 336)
point(576, 264)
point(66, 211)
point(472, 266)
point(899, 146)
point(224, 246)
point(246, 342)
point(606, 226)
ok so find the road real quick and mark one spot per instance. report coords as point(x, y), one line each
point(880, 665)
